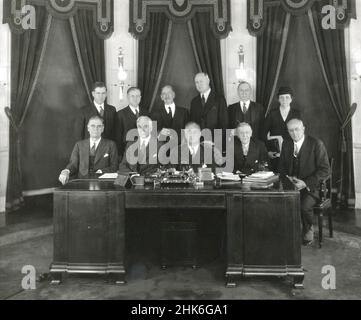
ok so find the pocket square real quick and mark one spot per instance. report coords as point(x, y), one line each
point(106, 155)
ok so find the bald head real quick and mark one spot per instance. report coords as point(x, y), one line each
point(296, 129)
point(202, 82)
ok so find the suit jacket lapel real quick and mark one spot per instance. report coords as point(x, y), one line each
point(86, 152)
point(304, 153)
point(252, 112)
point(251, 156)
point(209, 104)
point(100, 151)
point(131, 114)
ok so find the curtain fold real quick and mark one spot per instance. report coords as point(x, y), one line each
point(89, 49)
point(330, 47)
point(152, 54)
point(27, 53)
point(271, 46)
point(207, 49)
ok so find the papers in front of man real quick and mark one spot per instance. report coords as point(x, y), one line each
point(228, 176)
point(112, 175)
point(261, 179)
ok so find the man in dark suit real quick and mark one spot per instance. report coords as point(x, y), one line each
point(246, 111)
point(305, 162)
point(248, 151)
point(141, 156)
point(98, 108)
point(208, 109)
point(169, 116)
point(127, 118)
point(193, 153)
point(91, 156)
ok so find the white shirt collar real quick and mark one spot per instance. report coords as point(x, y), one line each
point(94, 141)
point(206, 94)
point(246, 102)
point(172, 107)
point(144, 140)
point(98, 106)
point(299, 143)
point(134, 109)
point(193, 149)
point(245, 148)
point(284, 113)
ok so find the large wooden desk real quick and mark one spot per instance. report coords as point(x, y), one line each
point(263, 227)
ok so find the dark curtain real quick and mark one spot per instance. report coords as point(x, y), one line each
point(330, 46)
point(270, 53)
point(47, 134)
point(27, 51)
point(151, 57)
point(89, 48)
point(180, 67)
point(207, 49)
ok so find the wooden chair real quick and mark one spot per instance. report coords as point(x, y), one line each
point(324, 206)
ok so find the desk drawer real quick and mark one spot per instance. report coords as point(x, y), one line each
point(182, 200)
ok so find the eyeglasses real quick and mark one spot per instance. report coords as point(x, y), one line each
point(94, 126)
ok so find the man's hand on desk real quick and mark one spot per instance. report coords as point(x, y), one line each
point(273, 155)
point(64, 176)
point(99, 172)
point(299, 184)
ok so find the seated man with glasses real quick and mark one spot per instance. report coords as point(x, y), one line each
point(91, 156)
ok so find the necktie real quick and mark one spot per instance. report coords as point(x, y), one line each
point(295, 152)
point(170, 112)
point(92, 150)
point(244, 109)
point(136, 113)
point(203, 100)
point(101, 112)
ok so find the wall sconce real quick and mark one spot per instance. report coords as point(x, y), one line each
point(241, 73)
point(122, 74)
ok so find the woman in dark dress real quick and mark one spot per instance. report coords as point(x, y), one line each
point(276, 124)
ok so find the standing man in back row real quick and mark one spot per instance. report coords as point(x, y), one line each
point(209, 108)
point(246, 111)
point(127, 118)
point(100, 108)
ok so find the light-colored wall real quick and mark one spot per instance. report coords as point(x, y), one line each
point(4, 101)
point(120, 38)
point(230, 47)
point(355, 56)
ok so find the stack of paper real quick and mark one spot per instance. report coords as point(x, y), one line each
point(109, 176)
point(262, 179)
point(228, 176)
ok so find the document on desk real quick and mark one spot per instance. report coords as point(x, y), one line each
point(112, 175)
point(228, 176)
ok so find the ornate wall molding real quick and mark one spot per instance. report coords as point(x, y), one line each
point(103, 13)
point(345, 10)
point(179, 11)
